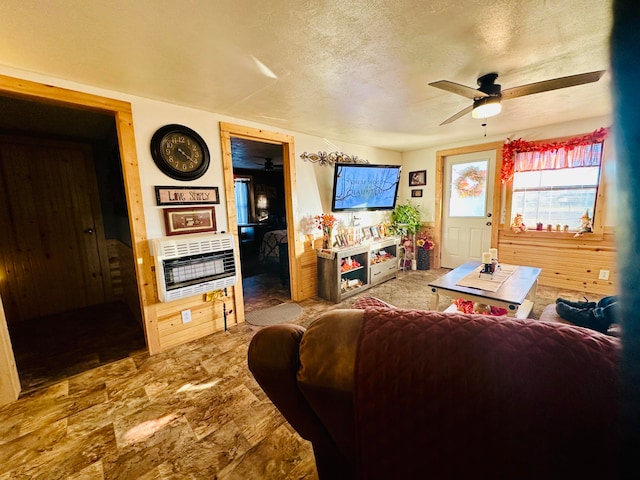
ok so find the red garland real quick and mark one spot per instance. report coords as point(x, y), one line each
point(517, 145)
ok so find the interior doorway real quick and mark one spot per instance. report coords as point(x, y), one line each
point(66, 239)
point(295, 250)
point(260, 200)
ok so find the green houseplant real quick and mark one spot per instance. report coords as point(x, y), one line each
point(405, 220)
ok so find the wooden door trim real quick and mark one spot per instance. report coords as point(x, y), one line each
point(229, 130)
point(495, 213)
point(121, 112)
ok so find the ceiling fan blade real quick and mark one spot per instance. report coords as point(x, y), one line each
point(458, 89)
point(554, 84)
point(461, 113)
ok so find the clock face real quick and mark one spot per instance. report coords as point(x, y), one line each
point(180, 152)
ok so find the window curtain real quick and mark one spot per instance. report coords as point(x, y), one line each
point(519, 155)
point(242, 201)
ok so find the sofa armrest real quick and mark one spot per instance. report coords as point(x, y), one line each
point(273, 359)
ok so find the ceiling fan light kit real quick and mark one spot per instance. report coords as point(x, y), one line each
point(487, 98)
point(486, 107)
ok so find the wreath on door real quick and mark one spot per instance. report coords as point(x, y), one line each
point(470, 182)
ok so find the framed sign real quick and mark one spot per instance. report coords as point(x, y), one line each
point(417, 178)
point(189, 220)
point(187, 195)
point(416, 193)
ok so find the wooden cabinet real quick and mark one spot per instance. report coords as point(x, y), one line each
point(345, 272)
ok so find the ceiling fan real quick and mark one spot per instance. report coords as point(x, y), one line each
point(487, 98)
point(268, 164)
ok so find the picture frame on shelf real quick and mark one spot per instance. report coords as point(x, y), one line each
point(417, 178)
point(184, 220)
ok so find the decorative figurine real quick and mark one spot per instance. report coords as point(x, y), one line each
point(585, 225)
point(518, 224)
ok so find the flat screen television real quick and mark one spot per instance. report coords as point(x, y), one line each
point(364, 186)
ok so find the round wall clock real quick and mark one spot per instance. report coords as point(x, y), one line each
point(180, 152)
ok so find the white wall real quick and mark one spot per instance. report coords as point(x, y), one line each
point(426, 159)
point(314, 182)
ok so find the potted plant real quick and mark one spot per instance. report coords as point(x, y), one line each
point(405, 220)
point(424, 246)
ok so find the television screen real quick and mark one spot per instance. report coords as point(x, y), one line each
point(364, 186)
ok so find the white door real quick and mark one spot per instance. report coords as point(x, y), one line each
point(467, 206)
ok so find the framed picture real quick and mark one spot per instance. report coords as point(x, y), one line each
point(367, 232)
point(416, 193)
point(375, 233)
point(186, 195)
point(178, 221)
point(417, 178)
point(345, 239)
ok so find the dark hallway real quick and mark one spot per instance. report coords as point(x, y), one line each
point(55, 347)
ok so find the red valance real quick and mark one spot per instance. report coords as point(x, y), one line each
point(517, 145)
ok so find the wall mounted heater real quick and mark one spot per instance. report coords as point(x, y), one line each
point(191, 264)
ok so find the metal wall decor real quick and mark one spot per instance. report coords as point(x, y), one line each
point(330, 158)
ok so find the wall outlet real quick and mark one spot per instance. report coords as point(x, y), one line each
point(603, 275)
point(186, 316)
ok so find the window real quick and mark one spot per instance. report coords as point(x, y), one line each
point(244, 199)
point(556, 186)
point(469, 189)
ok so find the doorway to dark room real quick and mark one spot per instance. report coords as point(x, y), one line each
point(66, 255)
point(262, 226)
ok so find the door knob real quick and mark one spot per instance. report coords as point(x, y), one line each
point(89, 231)
point(488, 224)
point(489, 215)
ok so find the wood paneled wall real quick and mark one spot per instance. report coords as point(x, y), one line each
point(566, 262)
point(123, 276)
point(9, 381)
point(52, 247)
point(207, 318)
point(308, 264)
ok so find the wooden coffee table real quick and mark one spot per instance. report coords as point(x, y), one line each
point(517, 293)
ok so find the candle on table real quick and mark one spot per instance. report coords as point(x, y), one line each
point(494, 253)
point(486, 257)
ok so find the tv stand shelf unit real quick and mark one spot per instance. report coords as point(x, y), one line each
point(347, 271)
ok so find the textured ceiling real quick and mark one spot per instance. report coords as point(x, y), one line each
point(353, 71)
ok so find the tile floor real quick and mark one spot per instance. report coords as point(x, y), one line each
point(193, 412)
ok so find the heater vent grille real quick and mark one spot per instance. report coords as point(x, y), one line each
point(175, 248)
point(194, 264)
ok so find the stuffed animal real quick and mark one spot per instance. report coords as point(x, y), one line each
point(518, 225)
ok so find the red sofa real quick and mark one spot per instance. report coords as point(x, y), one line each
point(391, 393)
